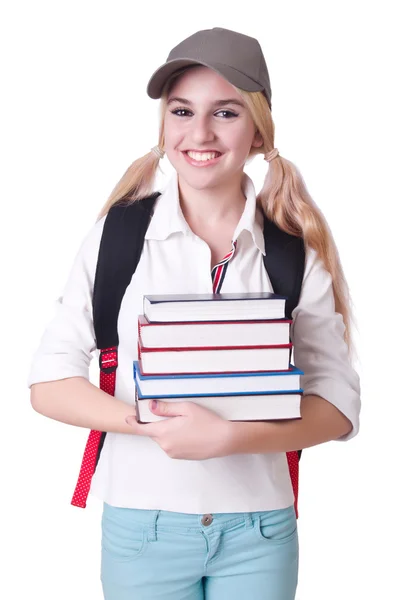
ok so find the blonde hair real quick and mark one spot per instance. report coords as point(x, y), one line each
point(284, 197)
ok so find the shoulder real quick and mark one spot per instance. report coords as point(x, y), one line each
point(312, 261)
point(85, 261)
point(94, 234)
point(91, 241)
point(317, 288)
point(314, 266)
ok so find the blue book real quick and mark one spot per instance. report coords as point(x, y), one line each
point(217, 384)
point(214, 307)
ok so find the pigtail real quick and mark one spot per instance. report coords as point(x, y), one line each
point(286, 201)
point(136, 183)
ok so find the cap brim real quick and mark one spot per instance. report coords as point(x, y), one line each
point(162, 74)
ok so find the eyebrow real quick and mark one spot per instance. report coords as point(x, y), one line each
point(216, 103)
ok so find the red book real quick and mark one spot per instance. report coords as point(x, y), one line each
point(215, 359)
point(215, 333)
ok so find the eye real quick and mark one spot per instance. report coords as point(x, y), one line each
point(229, 114)
point(179, 110)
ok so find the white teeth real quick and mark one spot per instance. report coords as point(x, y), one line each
point(202, 155)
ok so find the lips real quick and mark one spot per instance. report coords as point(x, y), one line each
point(202, 163)
point(194, 150)
point(202, 151)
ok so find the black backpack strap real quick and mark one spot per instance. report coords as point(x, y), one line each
point(120, 249)
point(284, 263)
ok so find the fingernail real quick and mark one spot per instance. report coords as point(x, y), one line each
point(154, 404)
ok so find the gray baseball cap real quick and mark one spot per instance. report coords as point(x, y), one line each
point(235, 56)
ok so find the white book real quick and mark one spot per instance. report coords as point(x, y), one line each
point(234, 408)
point(213, 360)
point(213, 333)
point(214, 307)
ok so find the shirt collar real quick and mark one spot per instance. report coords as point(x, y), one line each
point(252, 219)
point(168, 217)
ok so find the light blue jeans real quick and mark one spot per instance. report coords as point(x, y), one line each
point(155, 554)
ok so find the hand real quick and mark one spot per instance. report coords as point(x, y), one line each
point(191, 432)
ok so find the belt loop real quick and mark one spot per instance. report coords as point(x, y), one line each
point(152, 531)
point(248, 520)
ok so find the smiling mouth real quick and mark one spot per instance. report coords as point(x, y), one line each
point(202, 156)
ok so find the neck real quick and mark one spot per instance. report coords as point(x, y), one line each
point(210, 206)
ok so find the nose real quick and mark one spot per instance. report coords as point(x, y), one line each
point(202, 130)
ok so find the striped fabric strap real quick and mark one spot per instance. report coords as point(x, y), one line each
point(107, 382)
point(293, 465)
point(219, 270)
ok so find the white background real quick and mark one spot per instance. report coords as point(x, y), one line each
point(74, 115)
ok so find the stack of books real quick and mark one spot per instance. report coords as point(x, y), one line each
point(227, 352)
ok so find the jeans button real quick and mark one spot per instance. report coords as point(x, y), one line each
point(207, 519)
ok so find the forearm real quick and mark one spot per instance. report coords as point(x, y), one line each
point(321, 422)
point(78, 402)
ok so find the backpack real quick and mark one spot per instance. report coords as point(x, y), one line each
point(119, 254)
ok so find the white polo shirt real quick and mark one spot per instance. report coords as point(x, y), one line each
point(133, 471)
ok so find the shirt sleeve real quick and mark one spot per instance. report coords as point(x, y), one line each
point(68, 341)
point(319, 347)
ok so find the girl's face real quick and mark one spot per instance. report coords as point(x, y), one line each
point(205, 113)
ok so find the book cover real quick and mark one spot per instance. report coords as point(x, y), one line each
point(216, 384)
point(143, 321)
point(235, 408)
point(160, 298)
point(215, 333)
point(214, 359)
point(292, 370)
point(214, 307)
point(210, 348)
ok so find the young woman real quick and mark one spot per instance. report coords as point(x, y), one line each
point(196, 506)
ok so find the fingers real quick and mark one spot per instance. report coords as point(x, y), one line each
point(164, 409)
point(170, 409)
point(137, 428)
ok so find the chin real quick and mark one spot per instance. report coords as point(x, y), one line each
point(201, 181)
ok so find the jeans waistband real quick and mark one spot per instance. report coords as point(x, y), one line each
point(175, 521)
